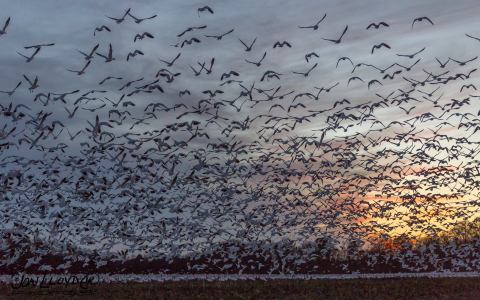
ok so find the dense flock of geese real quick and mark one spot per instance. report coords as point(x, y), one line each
point(211, 149)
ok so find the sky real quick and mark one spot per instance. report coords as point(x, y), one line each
point(208, 209)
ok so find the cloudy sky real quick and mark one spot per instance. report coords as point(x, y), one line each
point(71, 25)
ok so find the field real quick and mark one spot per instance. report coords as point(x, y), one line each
point(401, 288)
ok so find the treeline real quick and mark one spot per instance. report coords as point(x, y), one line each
point(237, 257)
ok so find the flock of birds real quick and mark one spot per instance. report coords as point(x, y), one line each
point(155, 163)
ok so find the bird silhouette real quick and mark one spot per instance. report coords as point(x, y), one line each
point(308, 72)
point(82, 71)
point(220, 36)
point(258, 63)
point(189, 29)
point(189, 42)
point(421, 19)
point(139, 36)
point(413, 54)
point(100, 29)
point(109, 57)
point(248, 48)
point(5, 26)
point(377, 25)
point(33, 84)
point(36, 51)
point(122, 18)
point(379, 46)
point(339, 40)
point(316, 25)
point(205, 8)
point(11, 92)
point(309, 56)
point(170, 63)
point(140, 20)
point(89, 56)
point(282, 44)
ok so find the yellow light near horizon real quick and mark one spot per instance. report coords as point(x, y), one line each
point(435, 218)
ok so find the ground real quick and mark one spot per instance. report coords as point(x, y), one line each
point(401, 288)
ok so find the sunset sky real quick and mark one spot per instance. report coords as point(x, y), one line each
point(273, 180)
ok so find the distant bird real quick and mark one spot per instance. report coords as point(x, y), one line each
point(5, 26)
point(344, 58)
point(467, 86)
point(308, 72)
point(339, 40)
point(472, 37)
point(314, 26)
point(82, 71)
point(373, 81)
point(413, 54)
point(258, 63)
point(248, 48)
point(212, 93)
point(109, 57)
point(122, 18)
point(463, 63)
point(31, 57)
point(118, 102)
point(134, 53)
point(379, 46)
point(408, 68)
point(108, 78)
point(270, 74)
point(181, 93)
point(208, 70)
point(100, 29)
point(189, 42)
point(282, 44)
point(420, 19)
point(204, 8)
point(377, 25)
point(220, 36)
point(442, 65)
point(139, 36)
point(166, 73)
point(73, 136)
point(407, 111)
point(227, 75)
point(36, 51)
point(89, 56)
point(354, 78)
point(170, 63)
point(195, 72)
point(71, 113)
point(33, 84)
point(39, 46)
point(308, 56)
point(10, 93)
point(191, 29)
point(140, 20)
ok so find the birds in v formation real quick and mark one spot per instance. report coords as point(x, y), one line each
point(127, 155)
